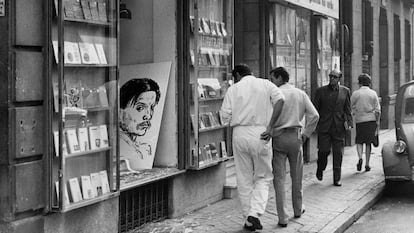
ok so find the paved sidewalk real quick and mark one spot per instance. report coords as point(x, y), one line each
point(328, 208)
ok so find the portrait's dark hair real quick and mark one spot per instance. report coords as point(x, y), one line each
point(242, 69)
point(364, 79)
point(280, 71)
point(132, 89)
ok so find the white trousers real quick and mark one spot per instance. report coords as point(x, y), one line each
point(253, 163)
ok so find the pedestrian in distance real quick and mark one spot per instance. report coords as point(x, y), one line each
point(334, 107)
point(248, 106)
point(366, 111)
point(288, 135)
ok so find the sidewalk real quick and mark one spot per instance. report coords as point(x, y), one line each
point(328, 208)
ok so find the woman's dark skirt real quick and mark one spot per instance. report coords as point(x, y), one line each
point(365, 132)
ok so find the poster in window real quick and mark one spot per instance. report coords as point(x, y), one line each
point(143, 89)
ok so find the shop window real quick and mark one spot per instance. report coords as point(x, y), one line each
point(407, 50)
point(367, 29)
point(289, 43)
point(397, 52)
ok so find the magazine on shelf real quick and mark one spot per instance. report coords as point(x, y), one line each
point(213, 149)
point(93, 6)
point(77, 9)
point(96, 181)
point(223, 149)
point(206, 26)
point(104, 181)
point(88, 53)
point(73, 143)
point(74, 190)
point(103, 96)
point(95, 137)
point(72, 55)
point(83, 138)
point(101, 53)
point(56, 141)
point(65, 194)
point(205, 119)
point(102, 12)
point(91, 97)
point(87, 187)
point(215, 122)
point(208, 152)
point(103, 130)
point(86, 9)
point(212, 27)
point(202, 157)
point(218, 28)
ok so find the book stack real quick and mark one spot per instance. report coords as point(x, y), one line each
point(82, 139)
point(81, 53)
point(87, 10)
point(90, 186)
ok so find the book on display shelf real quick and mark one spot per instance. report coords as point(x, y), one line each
point(73, 143)
point(95, 137)
point(93, 6)
point(77, 9)
point(86, 9)
point(223, 149)
point(103, 131)
point(88, 53)
point(65, 193)
point(212, 25)
point(72, 55)
point(87, 190)
point(103, 96)
point(102, 12)
point(74, 190)
point(83, 138)
point(101, 53)
point(56, 141)
point(213, 149)
point(208, 152)
point(96, 181)
point(104, 181)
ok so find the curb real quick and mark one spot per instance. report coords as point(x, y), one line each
point(344, 220)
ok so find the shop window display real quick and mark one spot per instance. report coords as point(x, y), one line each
point(84, 161)
point(210, 76)
point(291, 46)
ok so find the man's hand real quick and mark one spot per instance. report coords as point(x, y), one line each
point(304, 138)
point(265, 136)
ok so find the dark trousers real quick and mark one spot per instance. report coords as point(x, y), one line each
point(327, 140)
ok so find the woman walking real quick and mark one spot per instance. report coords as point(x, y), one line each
point(366, 110)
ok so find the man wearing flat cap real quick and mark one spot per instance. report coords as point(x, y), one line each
point(334, 107)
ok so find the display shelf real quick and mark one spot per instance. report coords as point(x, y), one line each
point(89, 22)
point(213, 128)
point(83, 113)
point(135, 179)
point(95, 151)
point(77, 205)
point(206, 165)
point(210, 99)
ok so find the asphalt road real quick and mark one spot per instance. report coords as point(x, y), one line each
point(394, 213)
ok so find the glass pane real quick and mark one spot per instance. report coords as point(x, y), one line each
point(84, 115)
point(303, 51)
point(211, 60)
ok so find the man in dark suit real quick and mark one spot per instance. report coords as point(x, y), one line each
point(334, 107)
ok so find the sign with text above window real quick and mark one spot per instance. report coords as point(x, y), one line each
point(326, 7)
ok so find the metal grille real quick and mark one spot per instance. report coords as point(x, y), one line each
point(143, 204)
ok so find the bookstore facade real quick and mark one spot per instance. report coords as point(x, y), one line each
point(302, 36)
point(112, 111)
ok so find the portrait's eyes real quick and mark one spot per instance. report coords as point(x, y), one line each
point(140, 108)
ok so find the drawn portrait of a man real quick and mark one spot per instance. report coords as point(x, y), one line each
point(138, 98)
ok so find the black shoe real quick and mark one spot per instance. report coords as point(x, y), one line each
point(337, 183)
point(359, 165)
point(298, 216)
point(367, 168)
point(254, 224)
point(319, 174)
point(282, 224)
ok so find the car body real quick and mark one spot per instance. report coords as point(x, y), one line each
point(398, 155)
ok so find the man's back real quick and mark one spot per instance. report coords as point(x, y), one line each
point(250, 101)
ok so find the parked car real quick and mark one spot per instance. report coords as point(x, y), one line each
point(398, 155)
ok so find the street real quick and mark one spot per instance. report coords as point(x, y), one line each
point(392, 213)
